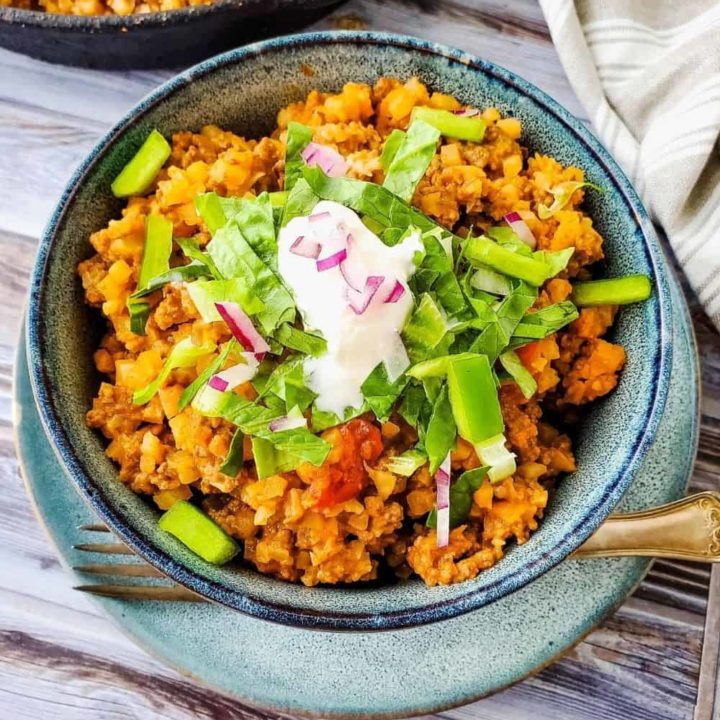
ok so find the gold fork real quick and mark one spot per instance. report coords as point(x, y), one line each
point(688, 529)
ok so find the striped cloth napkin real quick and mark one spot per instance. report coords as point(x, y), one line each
point(648, 74)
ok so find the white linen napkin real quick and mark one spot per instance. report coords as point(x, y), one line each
point(648, 74)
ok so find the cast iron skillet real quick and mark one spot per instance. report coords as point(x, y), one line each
point(153, 40)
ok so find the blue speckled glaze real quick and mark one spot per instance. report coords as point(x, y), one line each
point(396, 673)
point(242, 90)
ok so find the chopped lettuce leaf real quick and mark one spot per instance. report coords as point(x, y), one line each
point(304, 342)
point(461, 497)
point(184, 354)
point(254, 217)
point(519, 373)
point(234, 459)
point(411, 159)
point(425, 330)
point(406, 464)
point(555, 262)
point(490, 281)
point(209, 208)
point(392, 144)
point(254, 420)
point(297, 138)
point(367, 198)
point(235, 258)
point(205, 293)
point(287, 381)
point(182, 273)
point(561, 196)
point(411, 404)
point(380, 394)
point(193, 252)
point(323, 419)
point(215, 366)
point(440, 432)
point(269, 460)
point(544, 322)
point(496, 335)
point(300, 202)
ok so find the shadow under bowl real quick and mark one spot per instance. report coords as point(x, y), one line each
point(242, 90)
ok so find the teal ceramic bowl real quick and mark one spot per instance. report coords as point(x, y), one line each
point(242, 90)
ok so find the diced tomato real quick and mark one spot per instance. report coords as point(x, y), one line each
point(529, 353)
point(343, 476)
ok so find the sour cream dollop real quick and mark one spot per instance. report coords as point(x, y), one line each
point(356, 343)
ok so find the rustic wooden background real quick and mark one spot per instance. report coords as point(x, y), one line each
point(60, 658)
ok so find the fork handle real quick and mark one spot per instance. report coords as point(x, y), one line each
point(688, 529)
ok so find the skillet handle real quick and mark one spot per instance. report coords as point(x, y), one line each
point(688, 529)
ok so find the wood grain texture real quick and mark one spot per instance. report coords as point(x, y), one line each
point(60, 658)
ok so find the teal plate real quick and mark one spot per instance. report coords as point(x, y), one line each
point(387, 674)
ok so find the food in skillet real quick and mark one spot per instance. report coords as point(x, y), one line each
point(350, 347)
point(102, 7)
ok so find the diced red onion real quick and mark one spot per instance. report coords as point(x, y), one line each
point(520, 228)
point(331, 261)
point(442, 484)
point(396, 293)
point(288, 422)
point(235, 375)
point(466, 112)
point(359, 301)
point(345, 271)
point(397, 362)
point(242, 328)
point(320, 217)
point(330, 161)
point(305, 247)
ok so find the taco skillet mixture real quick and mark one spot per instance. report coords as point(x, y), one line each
point(348, 349)
point(102, 7)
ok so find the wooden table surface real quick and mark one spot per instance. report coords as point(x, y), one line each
point(60, 658)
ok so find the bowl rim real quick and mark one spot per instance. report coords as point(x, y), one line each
point(113, 23)
point(331, 619)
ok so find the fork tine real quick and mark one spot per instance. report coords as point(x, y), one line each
point(120, 570)
point(99, 527)
point(141, 592)
point(106, 548)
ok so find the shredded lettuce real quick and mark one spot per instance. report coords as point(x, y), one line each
point(254, 217)
point(184, 354)
point(235, 258)
point(561, 196)
point(301, 341)
point(193, 252)
point(254, 420)
point(406, 464)
point(215, 366)
point(519, 373)
point(544, 322)
point(300, 202)
point(392, 144)
point(234, 459)
point(411, 159)
point(425, 331)
point(297, 139)
point(411, 404)
point(287, 381)
point(367, 198)
point(461, 497)
point(497, 333)
point(210, 209)
point(380, 394)
point(205, 293)
point(440, 432)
